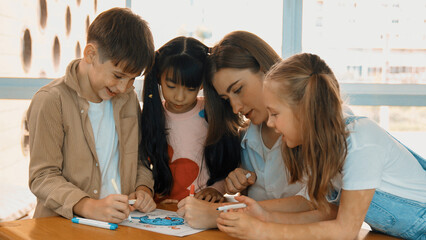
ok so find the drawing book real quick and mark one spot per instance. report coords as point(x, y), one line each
point(160, 221)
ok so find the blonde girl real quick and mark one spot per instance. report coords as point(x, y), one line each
point(345, 160)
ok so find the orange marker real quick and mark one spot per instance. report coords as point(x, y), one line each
point(192, 191)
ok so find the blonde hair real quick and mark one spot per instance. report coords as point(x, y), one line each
point(309, 87)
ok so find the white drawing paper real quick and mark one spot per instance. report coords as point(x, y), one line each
point(169, 223)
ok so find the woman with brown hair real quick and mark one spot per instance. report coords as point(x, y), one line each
point(233, 91)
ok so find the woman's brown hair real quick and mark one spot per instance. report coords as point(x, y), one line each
point(306, 84)
point(240, 50)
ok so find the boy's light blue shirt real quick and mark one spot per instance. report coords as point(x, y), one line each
point(106, 141)
point(268, 165)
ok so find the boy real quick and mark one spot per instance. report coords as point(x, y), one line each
point(84, 126)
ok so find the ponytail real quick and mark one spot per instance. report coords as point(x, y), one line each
point(324, 148)
point(154, 147)
point(309, 87)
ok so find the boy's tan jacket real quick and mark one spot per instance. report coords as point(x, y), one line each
point(63, 162)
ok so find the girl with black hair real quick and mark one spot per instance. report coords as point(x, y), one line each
point(175, 129)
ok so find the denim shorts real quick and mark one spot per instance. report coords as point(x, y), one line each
point(396, 216)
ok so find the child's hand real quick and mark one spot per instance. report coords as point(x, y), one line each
point(253, 208)
point(144, 201)
point(114, 208)
point(240, 225)
point(169, 201)
point(198, 213)
point(210, 195)
point(237, 180)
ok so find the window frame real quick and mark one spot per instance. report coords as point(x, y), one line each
point(356, 93)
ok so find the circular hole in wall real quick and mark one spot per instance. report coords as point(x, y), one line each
point(95, 2)
point(43, 13)
point(78, 50)
point(42, 74)
point(56, 53)
point(87, 23)
point(26, 51)
point(68, 21)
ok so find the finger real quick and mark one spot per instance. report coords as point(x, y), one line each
point(221, 227)
point(229, 216)
point(132, 208)
point(242, 179)
point(114, 220)
point(229, 185)
point(199, 195)
point(118, 215)
point(121, 198)
point(252, 179)
point(213, 199)
point(148, 206)
point(244, 199)
point(138, 204)
point(181, 212)
point(168, 201)
point(240, 210)
point(207, 198)
point(239, 180)
point(140, 196)
point(120, 206)
point(225, 222)
point(151, 206)
point(141, 202)
point(228, 230)
point(221, 200)
point(145, 199)
point(127, 212)
point(182, 203)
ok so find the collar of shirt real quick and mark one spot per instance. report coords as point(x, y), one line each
point(253, 139)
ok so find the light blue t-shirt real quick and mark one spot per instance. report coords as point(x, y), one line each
point(106, 140)
point(376, 160)
point(268, 165)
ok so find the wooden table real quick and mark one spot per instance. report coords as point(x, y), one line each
point(62, 228)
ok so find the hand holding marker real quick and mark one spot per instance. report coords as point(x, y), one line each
point(101, 224)
point(131, 202)
point(231, 197)
point(234, 206)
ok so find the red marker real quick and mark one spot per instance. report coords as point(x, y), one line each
point(192, 191)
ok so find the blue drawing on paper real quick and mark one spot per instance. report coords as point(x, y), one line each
point(166, 221)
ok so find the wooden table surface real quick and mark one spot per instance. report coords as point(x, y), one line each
point(62, 228)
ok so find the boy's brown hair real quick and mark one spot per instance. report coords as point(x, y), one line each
point(124, 38)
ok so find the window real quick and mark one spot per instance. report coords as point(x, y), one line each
point(210, 21)
point(377, 51)
point(370, 34)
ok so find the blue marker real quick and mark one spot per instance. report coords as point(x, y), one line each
point(95, 223)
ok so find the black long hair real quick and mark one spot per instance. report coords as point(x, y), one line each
point(185, 57)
